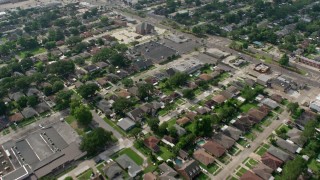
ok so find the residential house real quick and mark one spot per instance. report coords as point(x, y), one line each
point(16, 117)
point(101, 65)
point(223, 140)
point(202, 110)
point(257, 114)
point(113, 171)
point(232, 132)
point(214, 148)
point(205, 77)
point(270, 103)
point(288, 146)
point(219, 99)
point(271, 161)
point(203, 157)
point(250, 176)
point(183, 154)
point(244, 123)
point(140, 65)
point(166, 172)
point(304, 118)
point(42, 107)
point(15, 96)
point(33, 92)
point(264, 79)
point(189, 169)
point(126, 124)
point(294, 135)
point(149, 176)
point(180, 130)
point(104, 106)
point(278, 153)
point(152, 143)
point(277, 98)
point(183, 121)
point(136, 115)
point(263, 171)
point(102, 81)
point(29, 112)
point(127, 163)
point(191, 115)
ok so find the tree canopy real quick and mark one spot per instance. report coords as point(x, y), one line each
point(96, 141)
point(87, 90)
point(83, 115)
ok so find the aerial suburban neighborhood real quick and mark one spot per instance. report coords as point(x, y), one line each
point(160, 89)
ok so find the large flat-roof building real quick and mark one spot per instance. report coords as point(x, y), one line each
point(42, 152)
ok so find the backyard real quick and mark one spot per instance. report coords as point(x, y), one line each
point(130, 153)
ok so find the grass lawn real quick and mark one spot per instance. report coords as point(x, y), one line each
point(250, 136)
point(150, 168)
point(86, 175)
point(129, 152)
point(198, 91)
point(100, 167)
point(283, 126)
point(241, 171)
point(246, 107)
point(233, 150)
point(115, 126)
point(190, 126)
point(224, 159)
point(266, 122)
point(180, 101)
point(262, 149)
point(213, 168)
point(165, 153)
point(171, 122)
point(251, 163)
point(5, 131)
point(314, 166)
point(34, 52)
point(202, 176)
point(26, 122)
point(242, 142)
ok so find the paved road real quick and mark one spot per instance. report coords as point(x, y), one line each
point(105, 125)
point(236, 161)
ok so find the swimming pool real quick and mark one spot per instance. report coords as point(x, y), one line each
point(201, 142)
point(178, 162)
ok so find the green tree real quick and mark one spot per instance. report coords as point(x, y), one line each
point(57, 86)
point(50, 45)
point(163, 128)
point(309, 129)
point(33, 100)
point(135, 132)
point(292, 169)
point(87, 90)
point(96, 141)
point(153, 124)
point(3, 108)
point(83, 115)
point(121, 105)
point(47, 90)
point(145, 91)
point(203, 127)
point(127, 82)
point(284, 60)
point(74, 104)
point(177, 80)
point(22, 101)
point(188, 93)
point(73, 40)
point(293, 107)
point(63, 99)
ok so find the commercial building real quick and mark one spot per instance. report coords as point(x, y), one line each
point(42, 152)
